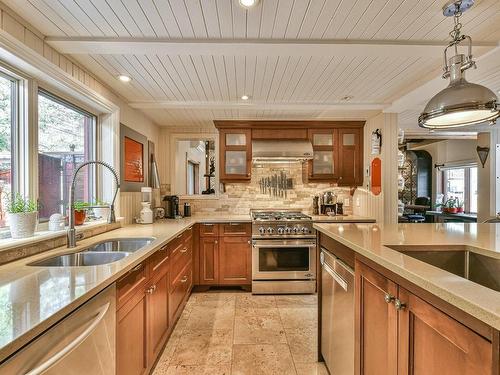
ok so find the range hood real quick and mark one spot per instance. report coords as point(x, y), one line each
point(276, 151)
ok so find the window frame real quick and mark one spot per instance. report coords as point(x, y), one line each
point(92, 148)
point(467, 190)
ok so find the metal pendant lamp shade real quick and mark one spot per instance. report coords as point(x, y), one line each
point(461, 103)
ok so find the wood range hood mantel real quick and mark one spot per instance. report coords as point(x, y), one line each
point(337, 147)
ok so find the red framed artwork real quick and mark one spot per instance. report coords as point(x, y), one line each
point(133, 160)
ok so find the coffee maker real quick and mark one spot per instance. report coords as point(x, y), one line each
point(171, 204)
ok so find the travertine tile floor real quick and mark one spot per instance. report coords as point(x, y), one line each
point(222, 333)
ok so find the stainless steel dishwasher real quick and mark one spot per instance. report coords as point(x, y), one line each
point(337, 314)
point(81, 343)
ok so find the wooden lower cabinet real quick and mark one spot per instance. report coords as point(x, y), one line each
point(209, 260)
point(397, 332)
point(149, 303)
point(158, 318)
point(235, 260)
point(433, 343)
point(131, 345)
point(225, 259)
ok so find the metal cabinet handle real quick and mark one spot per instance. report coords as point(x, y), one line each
point(249, 242)
point(389, 298)
point(216, 242)
point(179, 236)
point(184, 279)
point(151, 289)
point(184, 250)
point(399, 305)
point(208, 225)
point(234, 223)
point(135, 269)
point(73, 344)
point(335, 276)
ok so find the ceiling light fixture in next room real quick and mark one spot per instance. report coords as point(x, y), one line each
point(461, 103)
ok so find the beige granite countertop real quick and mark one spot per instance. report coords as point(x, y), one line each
point(34, 298)
point(342, 219)
point(372, 241)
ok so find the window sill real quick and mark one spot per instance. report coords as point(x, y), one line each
point(44, 235)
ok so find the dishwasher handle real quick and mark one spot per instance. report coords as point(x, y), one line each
point(73, 344)
point(335, 275)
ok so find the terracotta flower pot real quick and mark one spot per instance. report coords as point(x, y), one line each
point(452, 210)
point(460, 210)
point(80, 216)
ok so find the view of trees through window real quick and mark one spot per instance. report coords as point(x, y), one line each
point(65, 140)
point(6, 101)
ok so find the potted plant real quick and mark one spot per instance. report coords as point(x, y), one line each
point(80, 212)
point(450, 206)
point(460, 206)
point(23, 216)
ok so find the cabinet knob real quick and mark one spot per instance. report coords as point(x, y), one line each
point(249, 242)
point(388, 298)
point(151, 289)
point(184, 279)
point(184, 250)
point(399, 305)
point(216, 242)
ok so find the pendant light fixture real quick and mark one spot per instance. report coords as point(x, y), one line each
point(462, 103)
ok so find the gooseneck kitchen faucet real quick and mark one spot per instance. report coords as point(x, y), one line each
point(71, 234)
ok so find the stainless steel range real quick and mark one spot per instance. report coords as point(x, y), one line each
point(283, 252)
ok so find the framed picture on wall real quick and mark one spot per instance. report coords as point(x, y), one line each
point(133, 159)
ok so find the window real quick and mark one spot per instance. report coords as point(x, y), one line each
point(192, 172)
point(461, 183)
point(8, 122)
point(66, 138)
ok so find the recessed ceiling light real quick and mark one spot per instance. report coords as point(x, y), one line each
point(248, 3)
point(245, 97)
point(124, 78)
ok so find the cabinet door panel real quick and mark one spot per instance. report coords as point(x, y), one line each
point(433, 343)
point(209, 260)
point(131, 355)
point(350, 168)
point(235, 261)
point(376, 323)
point(157, 315)
point(235, 154)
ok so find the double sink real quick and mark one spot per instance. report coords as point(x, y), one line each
point(458, 260)
point(103, 252)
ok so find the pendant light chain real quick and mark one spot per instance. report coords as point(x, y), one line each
point(455, 33)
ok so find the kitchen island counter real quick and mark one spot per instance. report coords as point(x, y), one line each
point(373, 242)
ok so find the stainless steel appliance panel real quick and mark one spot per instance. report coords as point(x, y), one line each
point(337, 314)
point(82, 343)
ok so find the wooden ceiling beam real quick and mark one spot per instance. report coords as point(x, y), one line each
point(248, 47)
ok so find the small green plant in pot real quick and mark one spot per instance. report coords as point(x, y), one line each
point(23, 215)
point(80, 212)
point(460, 206)
point(450, 206)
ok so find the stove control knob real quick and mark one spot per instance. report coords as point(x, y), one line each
point(281, 230)
point(305, 230)
point(295, 230)
point(270, 230)
point(288, 230)
point(262, 230)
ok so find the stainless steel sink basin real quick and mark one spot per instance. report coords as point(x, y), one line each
point(103, 252)
point(126, 245)
point(80, 259)
point(478, 268)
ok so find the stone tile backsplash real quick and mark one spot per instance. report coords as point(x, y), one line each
point(239, 198)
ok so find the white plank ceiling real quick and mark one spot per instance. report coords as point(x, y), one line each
point(178, 88)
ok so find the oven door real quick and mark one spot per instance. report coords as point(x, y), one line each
point(284, 259)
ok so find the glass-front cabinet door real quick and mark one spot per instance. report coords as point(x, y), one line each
point(235, 154)
point(323, 166)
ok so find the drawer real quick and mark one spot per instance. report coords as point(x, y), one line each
point(179, 257)
point(209, 230)
point(130, 283)
point(177, 240)
point(179, 291)
point(236, 229)
point(158, 262)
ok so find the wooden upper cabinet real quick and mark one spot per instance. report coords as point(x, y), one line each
point(235, 154)
point(323, 166)
point(433, 343)
point(376, 323)
point(350, 151)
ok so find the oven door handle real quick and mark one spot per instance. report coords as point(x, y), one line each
point(285, 245)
